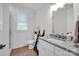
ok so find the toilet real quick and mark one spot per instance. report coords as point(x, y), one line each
point(31, 44)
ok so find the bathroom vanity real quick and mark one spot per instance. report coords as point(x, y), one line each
point(55, 47)
point(62, 28)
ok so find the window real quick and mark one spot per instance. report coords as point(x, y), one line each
point(21, 22)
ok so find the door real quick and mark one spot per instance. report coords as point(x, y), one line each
point(1, 41)
point(4, 29)
point(18, 27)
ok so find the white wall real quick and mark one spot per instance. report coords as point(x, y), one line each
point(76, 10)
point(70, 20)
point(63, 19)
point(44, 19)
point(1, 19)
point(1, 23)
point(60, 18)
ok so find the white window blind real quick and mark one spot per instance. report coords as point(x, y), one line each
point(22, 22)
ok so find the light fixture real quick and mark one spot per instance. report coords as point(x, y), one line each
point(55, 6)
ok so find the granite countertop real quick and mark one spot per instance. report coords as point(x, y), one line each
point(66, 45)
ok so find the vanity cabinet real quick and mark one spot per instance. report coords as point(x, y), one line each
point(61, 52)
point(47, 49)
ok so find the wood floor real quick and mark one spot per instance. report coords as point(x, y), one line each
point(23, 51)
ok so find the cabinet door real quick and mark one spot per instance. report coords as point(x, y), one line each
point(61, 52)
point(46, 48)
